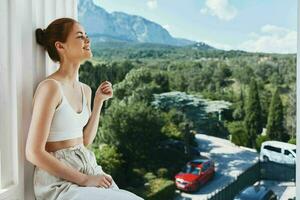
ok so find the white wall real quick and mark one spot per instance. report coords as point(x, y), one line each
point(23, 64)
point(10, 104)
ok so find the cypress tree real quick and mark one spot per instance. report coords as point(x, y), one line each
point(242, 100)
point(239, 112)
point(253, 123)
point(275, 126)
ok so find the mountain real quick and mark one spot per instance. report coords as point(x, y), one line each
point(103, 26)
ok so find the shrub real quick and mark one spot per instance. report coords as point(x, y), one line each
point(292, 141)
point(109, 159)
point(149, 176)
point(162, 173)
point(259, 140)
point(238, 133)
point(161, 189)
point(155, 189)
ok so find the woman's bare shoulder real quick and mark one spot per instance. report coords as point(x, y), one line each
point(47, 88)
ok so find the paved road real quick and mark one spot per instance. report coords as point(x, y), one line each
point(230, 161)
point(283, 190)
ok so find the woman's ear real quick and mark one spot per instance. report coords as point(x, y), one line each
point(59, 46)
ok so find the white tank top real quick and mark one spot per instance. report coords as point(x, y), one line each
point(67, 123)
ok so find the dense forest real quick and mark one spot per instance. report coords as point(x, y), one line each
point(259, 87)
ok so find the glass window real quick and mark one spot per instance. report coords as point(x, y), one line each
point(191, 169)
point(205, 166)
point(288, 153)
point(271, 148)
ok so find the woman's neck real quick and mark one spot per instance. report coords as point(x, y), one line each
point(69, 72)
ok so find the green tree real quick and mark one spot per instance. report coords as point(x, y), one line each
point(244, 74)
point(265, 97)
point(253, 123)
point(109, 159)
point(239, 112)
point(238, 133)
point(162, 79)
point(140, 85)
point(221, 73)
point(291, 112)
point(275, 127)
point(173, 119)
point(259, 140)
point(135, 129)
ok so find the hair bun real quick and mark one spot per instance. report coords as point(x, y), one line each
point(40, 36)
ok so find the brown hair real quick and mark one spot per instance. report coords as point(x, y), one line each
point(58, 30)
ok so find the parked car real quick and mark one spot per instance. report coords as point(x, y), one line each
point(179, 145)
point(195, 174)
point(256, 192)
point(279, 152)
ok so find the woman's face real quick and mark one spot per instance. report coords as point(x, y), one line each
point(77, 46)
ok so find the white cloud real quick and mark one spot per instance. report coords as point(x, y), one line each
point(220, 8)
point(152, 4)
point(272, 39)
point(275, 30)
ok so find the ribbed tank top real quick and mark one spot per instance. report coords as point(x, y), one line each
point(67, 123)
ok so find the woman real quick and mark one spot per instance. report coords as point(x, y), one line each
point(63, 124)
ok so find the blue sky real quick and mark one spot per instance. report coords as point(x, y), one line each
point(251, 25)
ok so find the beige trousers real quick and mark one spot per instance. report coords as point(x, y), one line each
point(49, 187)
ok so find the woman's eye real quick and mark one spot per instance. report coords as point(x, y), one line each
point(83, 37)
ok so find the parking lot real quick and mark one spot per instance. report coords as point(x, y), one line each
point(230, 161)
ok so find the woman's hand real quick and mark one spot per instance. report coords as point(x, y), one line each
point(104, 91)
point(103, 180)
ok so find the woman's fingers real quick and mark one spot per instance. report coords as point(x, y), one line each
point(108, 83)
point(107, 90)
point(106, 183)
point(108, 178)
point(105, 83)
point(105, 87)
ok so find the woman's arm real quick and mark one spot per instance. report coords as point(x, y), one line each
point(90, 130)
point(46, 99)
point(103, 93)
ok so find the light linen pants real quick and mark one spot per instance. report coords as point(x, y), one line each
point(49, 187)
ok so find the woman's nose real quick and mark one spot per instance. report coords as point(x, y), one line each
point(87, 40)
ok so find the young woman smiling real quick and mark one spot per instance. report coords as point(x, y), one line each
point(62, 123)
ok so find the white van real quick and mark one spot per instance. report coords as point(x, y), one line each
point(279, 152)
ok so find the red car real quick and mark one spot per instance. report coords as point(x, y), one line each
point(194, 174)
